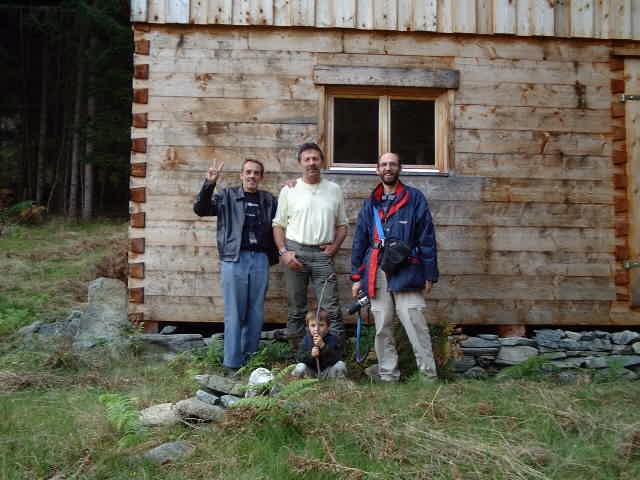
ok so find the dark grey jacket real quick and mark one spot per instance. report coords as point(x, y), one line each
point(228, 206)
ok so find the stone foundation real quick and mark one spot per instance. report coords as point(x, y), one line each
point(609, 353)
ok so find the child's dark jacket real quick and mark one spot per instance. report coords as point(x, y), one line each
point(329, 355)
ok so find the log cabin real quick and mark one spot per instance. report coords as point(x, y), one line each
point(518, 119)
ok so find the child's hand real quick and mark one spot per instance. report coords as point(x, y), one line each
point(318, 341)
point(315, 352)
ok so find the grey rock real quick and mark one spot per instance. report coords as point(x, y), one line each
point(568, 376)
point(170, 452)
point(636, 348)
point(515, 355)
point(555, 355)
point(587, 336)
point(517, 342)
point(601, 334)
point(579, 353)
point(462, 364)
point(544, 349)
point(192, 408)
point(478, 342)
point(548, 337)
point(61, 328)
point(476, 372)
point(227, 400)
point(600, 344)
point(575, 336)
point(105, 319)
point(486, 360)
point(480, 351)
point(596, 362)
point(625, 361)
point(488, 336)
point(163, 414)
point(207, 397)
point(623, 349)
point(168, 330)
point(260, 376)
point(568, 344)
point(30, 329)
point(618, 373)
point(160, 343)
point(624, 338)
point(215, 383)
point(568, 363)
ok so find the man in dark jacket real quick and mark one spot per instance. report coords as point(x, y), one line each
point(404, 214)
point(246, 250)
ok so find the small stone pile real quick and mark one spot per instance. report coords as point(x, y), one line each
point(216, 394)
point(609, 353)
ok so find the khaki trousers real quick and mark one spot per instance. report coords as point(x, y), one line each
point(410, 307)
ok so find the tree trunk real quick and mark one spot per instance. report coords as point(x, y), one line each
point(42, 137)
point(74, 174)
point(87, 197)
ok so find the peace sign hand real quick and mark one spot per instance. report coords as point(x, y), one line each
point(214, 172)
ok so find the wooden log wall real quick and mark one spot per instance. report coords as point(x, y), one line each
point(528, 220)
point(615, 19)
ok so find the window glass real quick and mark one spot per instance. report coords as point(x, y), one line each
point(355, 134)
point(412, 131)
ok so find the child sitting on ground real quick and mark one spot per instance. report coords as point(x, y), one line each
point(319, 343)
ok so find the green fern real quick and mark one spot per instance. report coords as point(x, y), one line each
point(533, 368)
point(281, 403)
point(297, 388)
point(125, 418)
point(194, 361)
point(268, 355)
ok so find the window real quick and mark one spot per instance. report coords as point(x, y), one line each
point(364, 122)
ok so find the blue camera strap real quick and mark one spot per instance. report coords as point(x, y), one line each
point(378, 222)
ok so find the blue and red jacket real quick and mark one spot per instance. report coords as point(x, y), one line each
point(408, 219)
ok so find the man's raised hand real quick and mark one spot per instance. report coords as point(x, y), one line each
point(214, 171)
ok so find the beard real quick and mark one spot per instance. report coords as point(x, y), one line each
point(391, 179)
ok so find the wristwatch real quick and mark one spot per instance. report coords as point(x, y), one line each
point(282, 251)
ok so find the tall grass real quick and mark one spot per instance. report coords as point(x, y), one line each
point(514, 429)
point(52, 423)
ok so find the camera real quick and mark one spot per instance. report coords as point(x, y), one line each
point(362, 301)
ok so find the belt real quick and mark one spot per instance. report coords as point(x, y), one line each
point(302, 245)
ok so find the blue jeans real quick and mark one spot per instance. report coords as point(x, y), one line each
point(244, 286)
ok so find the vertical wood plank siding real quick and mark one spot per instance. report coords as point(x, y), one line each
point(607, 19)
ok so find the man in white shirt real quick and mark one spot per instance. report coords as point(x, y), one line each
point(309, 228)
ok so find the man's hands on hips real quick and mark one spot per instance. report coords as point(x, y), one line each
point(289, 259)
point(330, 249)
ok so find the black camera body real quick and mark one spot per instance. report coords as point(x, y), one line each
point(362, 301)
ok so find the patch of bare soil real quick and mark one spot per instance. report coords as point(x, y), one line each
point(12, 382)
point(115, 263)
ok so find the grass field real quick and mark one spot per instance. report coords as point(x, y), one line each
point(52, 424)
point(45, 269)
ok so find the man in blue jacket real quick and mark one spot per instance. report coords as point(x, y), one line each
point(404, 214)
point(246, 250)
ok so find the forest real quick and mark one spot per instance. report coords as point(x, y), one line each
point(66, 106)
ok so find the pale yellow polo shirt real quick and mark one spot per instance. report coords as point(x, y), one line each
point(311, 213)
